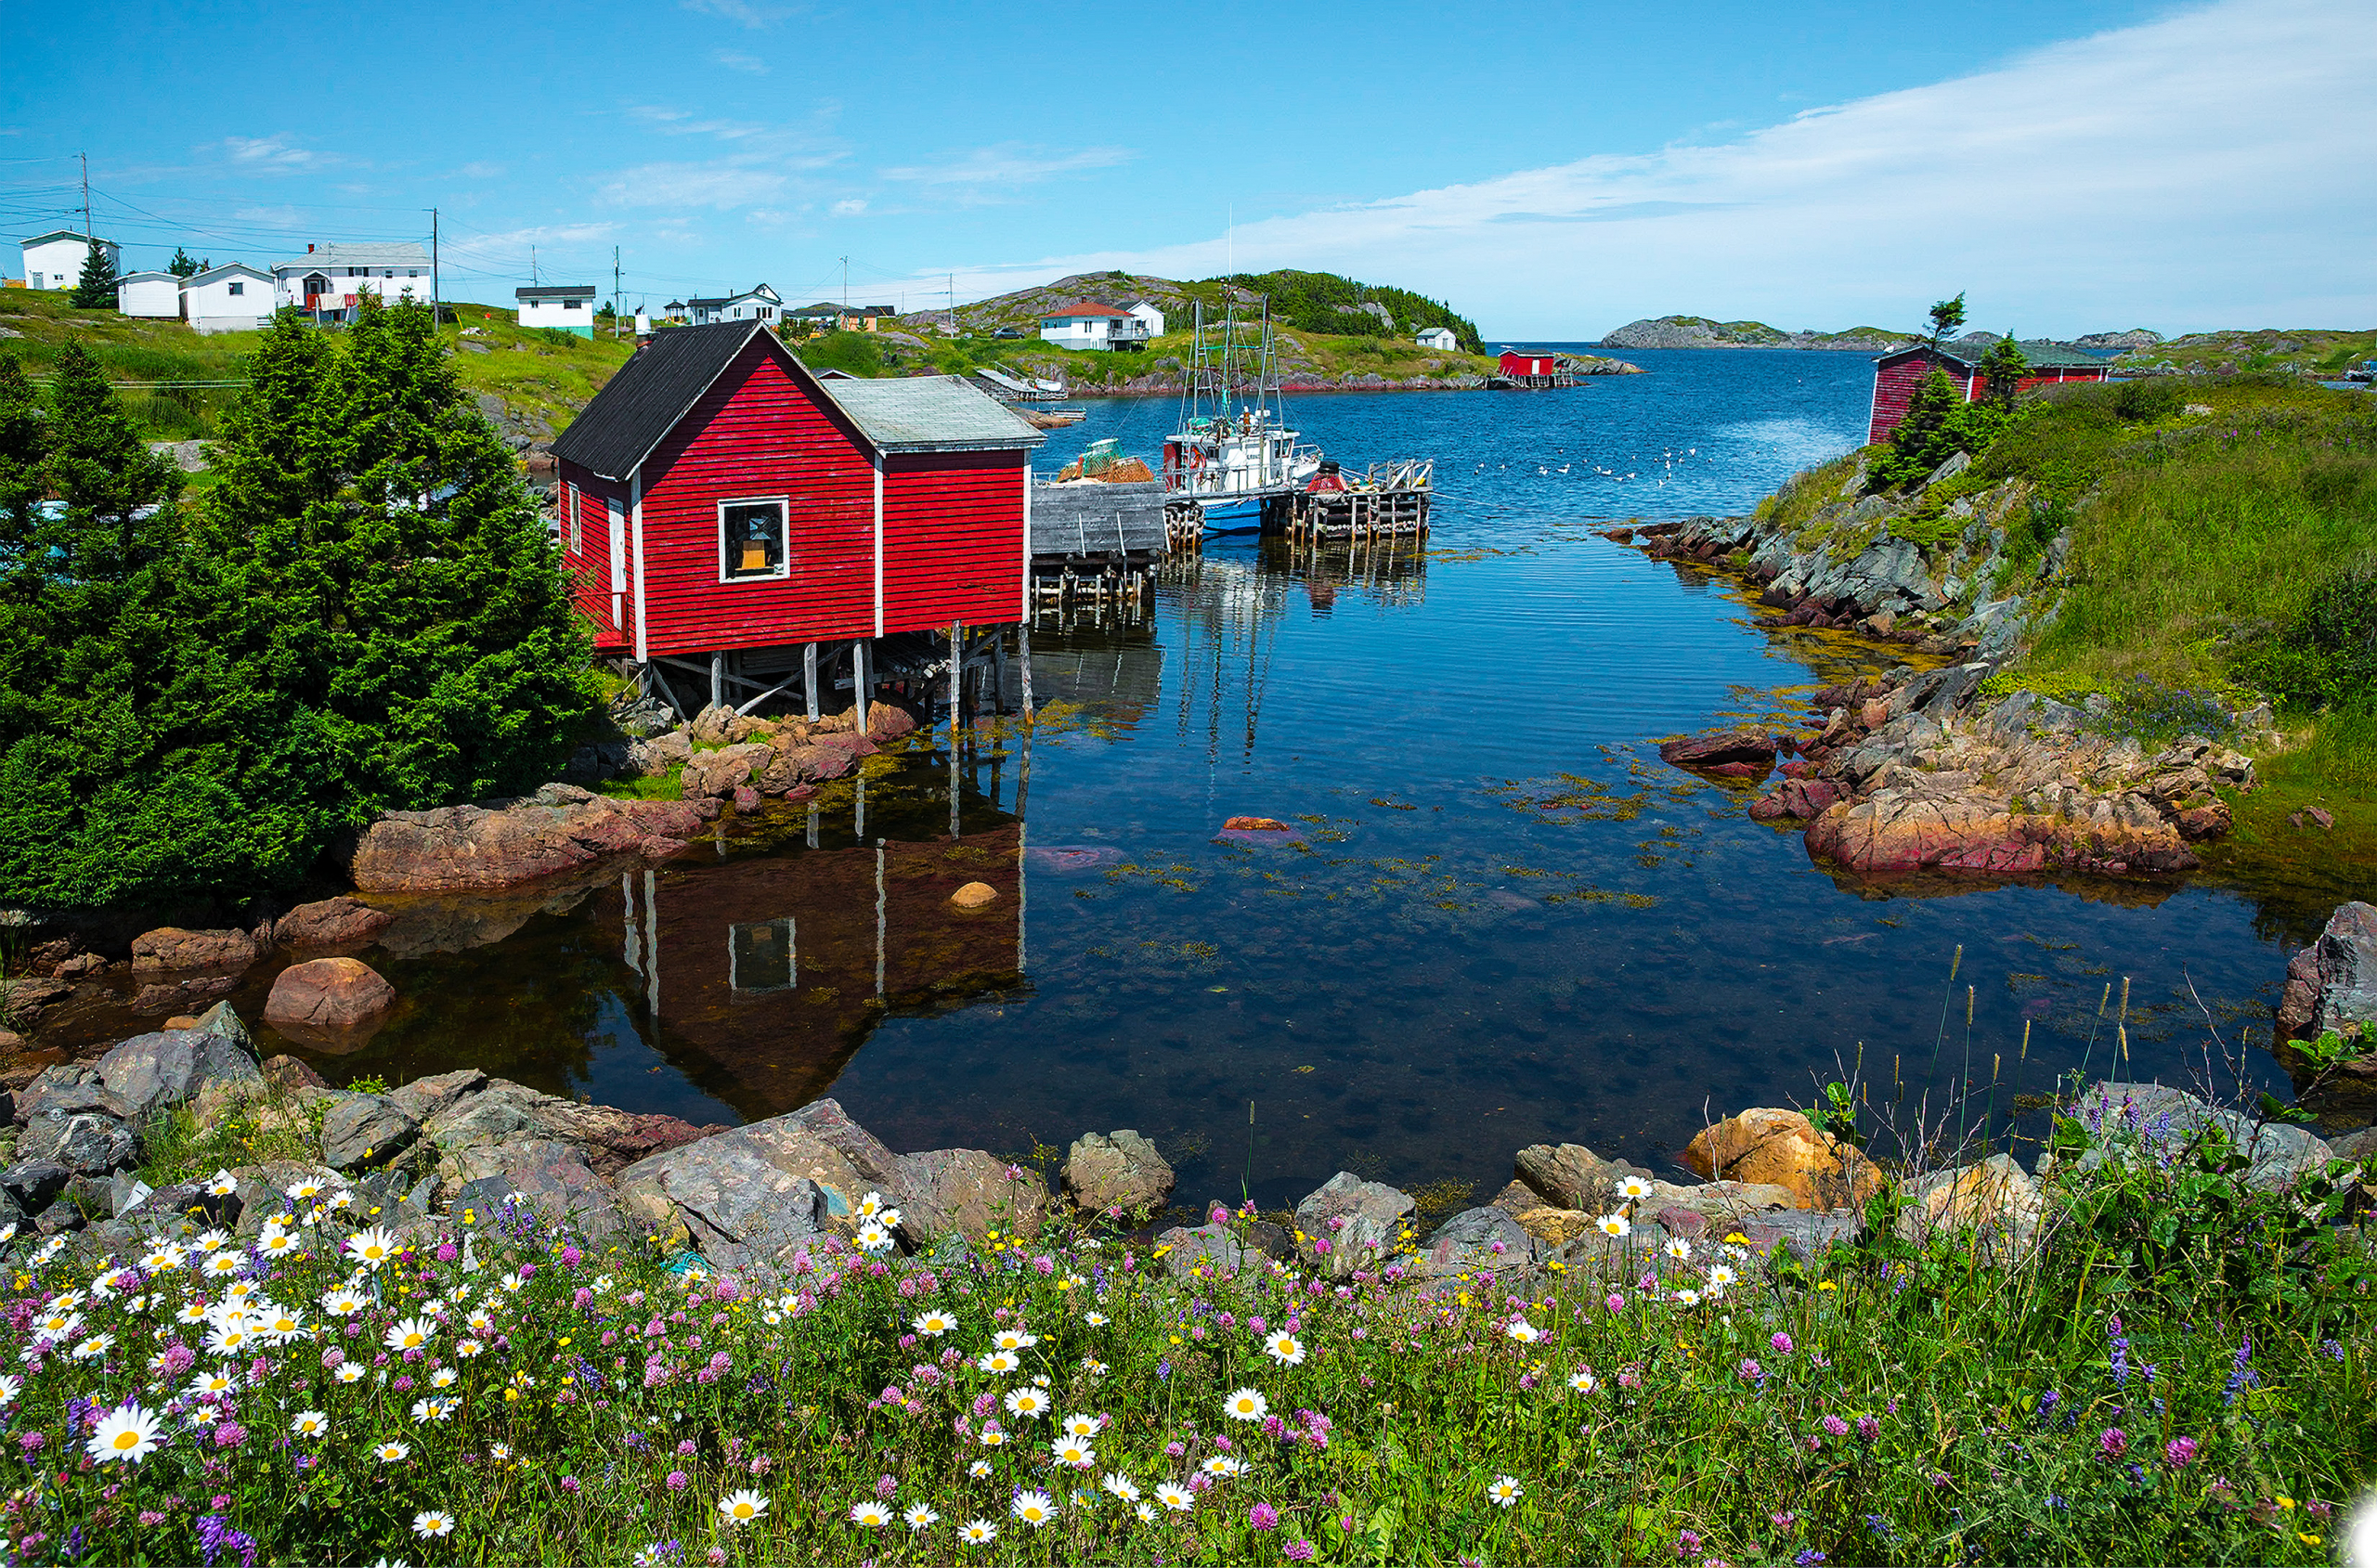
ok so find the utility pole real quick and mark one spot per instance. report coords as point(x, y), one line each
point(534, 280)
point(846, 285)
point(437, 300)
point(614, 293)
point(87, 193)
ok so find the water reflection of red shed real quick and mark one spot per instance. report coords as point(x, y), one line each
point(776, 969)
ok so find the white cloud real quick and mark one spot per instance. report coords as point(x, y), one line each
point(986, 173)
point(722, 185)
point(273, 155)
point(760, 164)
point(732, 60)
point(752, 14)
point(849, 207)
point(481, 171)
point(2208, 168)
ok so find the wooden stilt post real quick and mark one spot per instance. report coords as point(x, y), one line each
point(718, 679)
point(957, 669)
point(998, 674)
point(862, 680)
point(1023, 656)
point(809, 677)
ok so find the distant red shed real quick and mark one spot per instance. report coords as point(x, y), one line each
point(1517, 364)
point(1897, 375)
point(716, 497)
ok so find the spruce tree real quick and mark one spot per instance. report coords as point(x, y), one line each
point(2005, 367)
point(182, 266)
point(95, 288)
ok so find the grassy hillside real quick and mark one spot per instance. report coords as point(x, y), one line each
point(2307, 352)
point(547, 375)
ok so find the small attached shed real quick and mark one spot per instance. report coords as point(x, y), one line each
point(234, 298)
point(719, 502)
point(1898, 374)
point(1515, 363)
point(149, 294)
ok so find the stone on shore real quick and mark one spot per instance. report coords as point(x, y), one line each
point(341, 922)
point(1118, 1170)
point(721, 772)
point(977, 1191)
point(1187, 1249)
point(975, 895)
point(1948, 825)
point(86, 1144)
point(1783, 1148)
point(1359, 1222)
point(1573, 1177)
point(551, 1179)
point(559, 828)
point(170, 948)
point(2157, 1120)
point(151, 1072)
point(1475, 1241)
point(327, 996)
point(365, 1131)
point(1995, 1200)
point(2332, 983)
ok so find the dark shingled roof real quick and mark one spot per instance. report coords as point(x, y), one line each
point(2042, 355)
point(649, 395)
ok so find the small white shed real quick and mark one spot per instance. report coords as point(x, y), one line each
point(236, 298)
point(569, 306)
point(55, 260)
point(149, 294)
point(1438, 338)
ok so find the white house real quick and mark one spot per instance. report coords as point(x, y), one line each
point(236, 298)
point(1150, 318)
point(149, 294)
point(1084, 324)
point(758, 302)
point(55, 260)
point(326, 280)
point(569, 306)
point(1438, 338)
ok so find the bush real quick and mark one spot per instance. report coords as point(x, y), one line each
point(2325, 656)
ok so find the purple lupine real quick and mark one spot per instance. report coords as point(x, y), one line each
point(2120, 1352)
point(2241, 1376)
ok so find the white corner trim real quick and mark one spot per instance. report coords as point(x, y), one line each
point(635, 507)
point(879, 544)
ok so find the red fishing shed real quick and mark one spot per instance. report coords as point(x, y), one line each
point(724, 512)
point(1896, 375)
point(1517, 364)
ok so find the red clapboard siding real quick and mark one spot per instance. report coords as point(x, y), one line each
point(953, 539)
point(587, 557)
point(1513, 363)
point(1894, 384)
point(757, 434)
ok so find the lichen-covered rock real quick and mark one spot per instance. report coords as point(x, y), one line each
point(1782, 1148)
point(1350, 1223)
point(1995, 1200)
point(1475, 1241)
point(86, 1144)
point(1119, 1171)
point(150, 1072)
point(974, 1192)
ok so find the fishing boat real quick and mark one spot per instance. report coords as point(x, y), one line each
point(1233, 454)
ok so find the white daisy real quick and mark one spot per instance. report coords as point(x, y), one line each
point(1246, 1405)
point(1028, 1403)
point(1080, 1425)
point(391, 1453)
point(1522, 1331)
point(128, 1433)
point(431, 1524)
point(1284, 1348)
point(1074, 1452)
point(741, 1507)
point(978, 1532)
point(1179, 1499)
point(1633, 1187)
point(1505, 1491)
point(1095, 1319)
point(933, 1325)
point(1001, 1361)
point(1679, 1249)
point(1223, 1467)
point(1121, 1485)
point(1613, 1225)
point(870, 1515)
point(1034, 1509)
point(1014, 1339)
point(920, 1518)
point(310, 1423)
point(1583, 1381)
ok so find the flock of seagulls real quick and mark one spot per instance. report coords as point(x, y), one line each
point(1669, 460)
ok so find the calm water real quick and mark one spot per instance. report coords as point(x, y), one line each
point(1501, 921)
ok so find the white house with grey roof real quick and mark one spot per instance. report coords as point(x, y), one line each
point(327, 280)
point(149, 294)
point(231, 298)
point(567, 307)
point(55, 260)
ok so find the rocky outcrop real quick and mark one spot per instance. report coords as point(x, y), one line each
point(152, 1072)
point(365, 1131)
point(1118, 1172)
point(1725, 753)
point(559, 828)
point(718, 772)
point(171, 948)
point(1698, 331)
point(1782, 1148)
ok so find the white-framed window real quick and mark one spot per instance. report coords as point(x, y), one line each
point(761, 955)
point(754, 539)
point(573, 305)
point(569, 500)
point(239, 287)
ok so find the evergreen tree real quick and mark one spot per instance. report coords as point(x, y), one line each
point(182, 266)
point(95, 288)
point(2005, 368)
point(1946, 316)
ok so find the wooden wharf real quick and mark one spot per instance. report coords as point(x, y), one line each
point(1389, 501)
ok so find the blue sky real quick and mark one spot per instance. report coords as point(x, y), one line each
point(1550, 170)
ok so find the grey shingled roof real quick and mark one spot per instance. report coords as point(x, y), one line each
point(639, 407)
point(556, 291)
point(66, 234)
point(227, 269)
point(649, 395)
point(329, 257)
point(931, 414)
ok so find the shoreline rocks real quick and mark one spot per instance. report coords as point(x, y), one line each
point(327, 996)
point(559, 828)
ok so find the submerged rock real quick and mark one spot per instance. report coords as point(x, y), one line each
point(327, 922)
point(557, 829)
point(1721, 749)
point(172, 948)
point(326, 997)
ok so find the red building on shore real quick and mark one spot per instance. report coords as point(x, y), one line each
point(1897, 375)
point(724, 512)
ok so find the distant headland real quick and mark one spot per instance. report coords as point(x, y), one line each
point(1699, 331)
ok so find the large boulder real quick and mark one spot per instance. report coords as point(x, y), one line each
point(1949, 826)
point(975, 1192)
point(557, 829)
point(150, 1072)
point(172, 948)
point(1207, 1250)
point(365, 1131)
point(1359, 1223)
point(1997, 1200)
point(720, 771)
point(327, 996)
point(67, 1089)
point(554, 1181)
point(1734, 753)
point(34, 1184)
point(472, 1121)
point(86, 1144)
point(1118, 1170)
point(341, 922)
point(1782, 1148)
